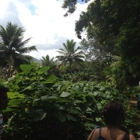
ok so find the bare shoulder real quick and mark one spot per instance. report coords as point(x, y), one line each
point(93, 135)
point(132, 137)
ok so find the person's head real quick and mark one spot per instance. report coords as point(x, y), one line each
point(113, 114)
point(3, 97)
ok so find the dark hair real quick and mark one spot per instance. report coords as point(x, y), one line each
point(3, 89)
point(113, 114)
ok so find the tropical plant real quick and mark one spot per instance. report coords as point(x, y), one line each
point(12, 50)
point(116, 26)
point(70, 54)
point(47, 61)
point(40, 106)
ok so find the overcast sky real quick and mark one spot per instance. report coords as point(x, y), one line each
point(43, 21)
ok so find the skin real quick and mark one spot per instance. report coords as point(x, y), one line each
point(110, 133)
point(3, 101)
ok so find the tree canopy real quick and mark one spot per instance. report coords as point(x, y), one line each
point(70, 54)
point(115, 24)
point(12, 46)
point(47, 61)
point(71, 5)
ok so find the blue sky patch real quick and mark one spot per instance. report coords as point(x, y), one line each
point(32, 9)
point(80, 1)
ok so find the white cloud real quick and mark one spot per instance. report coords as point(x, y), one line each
point(43, 21)
point(50, 52)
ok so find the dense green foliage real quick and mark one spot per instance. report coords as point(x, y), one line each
point(52, 101)
point(115, 24)
point(42, 107)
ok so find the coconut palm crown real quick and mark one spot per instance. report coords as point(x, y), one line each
point(70, 54)
point(12, 50)
point(47, 61)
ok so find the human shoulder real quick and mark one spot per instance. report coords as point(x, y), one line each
point(94, 134)
point(132, 137)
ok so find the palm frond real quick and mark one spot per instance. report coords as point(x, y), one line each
point(26, 49)
point(70, 54)
point(22, 43)
point(12, 45)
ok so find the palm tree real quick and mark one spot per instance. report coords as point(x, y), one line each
point(70, 54)
point(47, 61)
point(12, 50)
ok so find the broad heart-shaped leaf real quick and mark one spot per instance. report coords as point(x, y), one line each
point(70, 117)
point(46, 97)
point(65, 94)
point(99, 106)
point(37, 115)
point(50, 79)
point(15, 102)
point(43, 69)
point(96, 93)
point(12, 109)
point(98, 119)
point(60, 116)
point(26, 68)
point(74, 111)
point(30, 87)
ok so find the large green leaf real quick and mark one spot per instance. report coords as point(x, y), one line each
point(74, 111)
point(70, 117)
point(46, 97)
point(28, 88)
point(12, 109)
point(65, 94)
point(37, 115)
point(61, 116)
point(50, 79)
point(26, 68)
point(43, 69)
point(15, 102)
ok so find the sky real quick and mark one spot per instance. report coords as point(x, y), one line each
point(43, 21)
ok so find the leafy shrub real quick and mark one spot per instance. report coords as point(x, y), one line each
point(42, 107)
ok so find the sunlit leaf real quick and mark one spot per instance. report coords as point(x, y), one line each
point(25, 68)
point(65, 94)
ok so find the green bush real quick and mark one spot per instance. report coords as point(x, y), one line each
point(42, 107)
